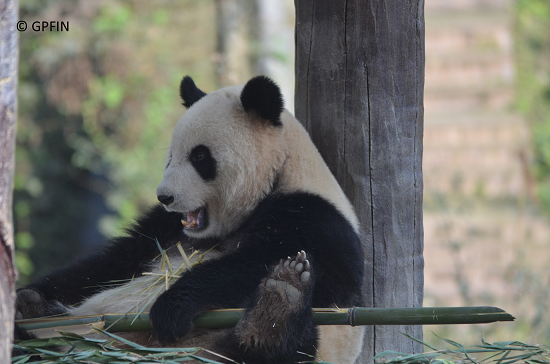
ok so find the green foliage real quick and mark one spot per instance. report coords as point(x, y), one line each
point(506, 352)
point(96, 108)
point(533, 84)
point(114, 18)
point(87, 350)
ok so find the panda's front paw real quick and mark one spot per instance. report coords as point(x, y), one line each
point(31, 303)
point(282, 312)
point(170, 318)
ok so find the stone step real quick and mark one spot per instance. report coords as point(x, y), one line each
point(432, 6)
point(466, 39)
point(454, 101)
point(479, 71)
point(466, 19)
point(473, 153)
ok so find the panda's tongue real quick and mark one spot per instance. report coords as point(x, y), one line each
point(194, 219)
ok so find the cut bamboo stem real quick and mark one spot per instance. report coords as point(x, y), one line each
point(355, 316)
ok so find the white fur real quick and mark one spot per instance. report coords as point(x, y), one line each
point(305, 169)
point(134, 295)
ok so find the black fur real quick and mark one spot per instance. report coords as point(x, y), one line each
point(280, 226)
point(204, 163)
point(189, 92)
point(263, 96)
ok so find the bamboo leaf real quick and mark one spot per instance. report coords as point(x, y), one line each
point(442, 361)
point(514, 343)
point(35, 343)
point(499, 361)
point(49, 352)
point(388, 353)
point(488, 359)
point(85, 345)
point(85, 354)
point(522, 356)
point(418, 341)
point(57, 341)
point(123, 340)
point(21, 359)
point(454, 343)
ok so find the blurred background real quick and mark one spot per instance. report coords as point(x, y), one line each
point(97, 105)
point(486, 164)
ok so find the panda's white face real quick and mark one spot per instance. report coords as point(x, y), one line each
point(221, 161)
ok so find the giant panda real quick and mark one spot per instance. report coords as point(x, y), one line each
point(244, 182)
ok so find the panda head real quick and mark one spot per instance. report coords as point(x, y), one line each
point(225, 154)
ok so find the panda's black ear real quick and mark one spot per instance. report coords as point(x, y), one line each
point(189, 92)
point(263, 96)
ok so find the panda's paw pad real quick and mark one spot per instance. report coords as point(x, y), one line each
point(291, 277)
point(284, 293)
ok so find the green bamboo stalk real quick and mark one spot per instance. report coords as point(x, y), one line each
point(353, 316)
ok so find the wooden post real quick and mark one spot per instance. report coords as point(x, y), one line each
point(359, 93)
point(8, 114)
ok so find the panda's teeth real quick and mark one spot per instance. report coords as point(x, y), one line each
point(194, 219)
point(189, 224)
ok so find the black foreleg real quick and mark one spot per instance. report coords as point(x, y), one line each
point(278, 326)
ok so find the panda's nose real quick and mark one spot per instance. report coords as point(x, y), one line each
point(165, 200)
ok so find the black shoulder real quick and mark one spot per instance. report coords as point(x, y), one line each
point(304, 209)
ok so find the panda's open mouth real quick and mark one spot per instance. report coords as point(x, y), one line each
point(195, 219)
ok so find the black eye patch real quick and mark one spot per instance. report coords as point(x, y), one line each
point(204, 163)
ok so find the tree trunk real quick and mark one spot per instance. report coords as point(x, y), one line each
point(236, 22)
point(359, 93)
point(8, 113)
